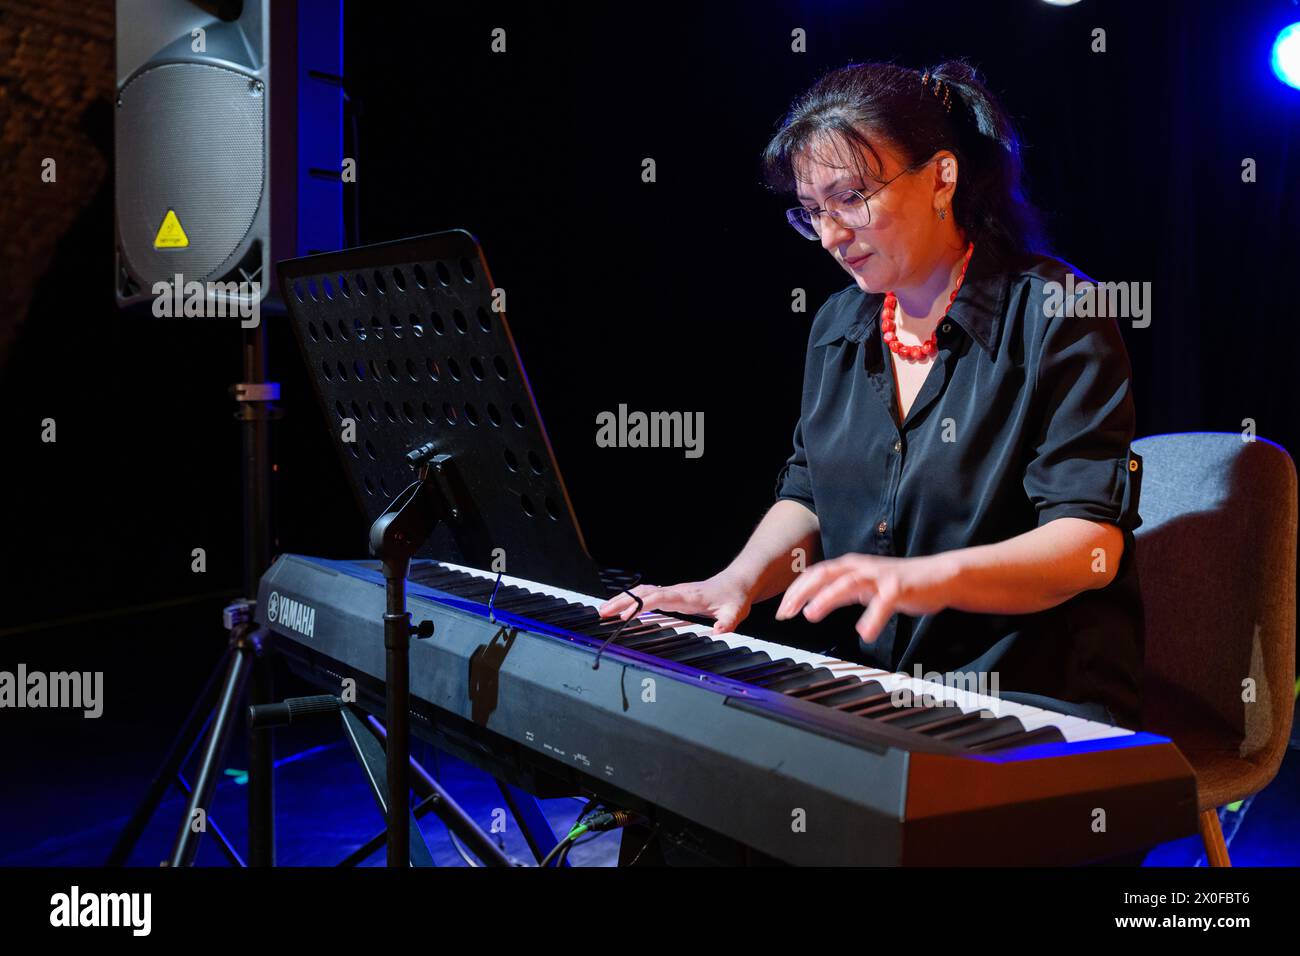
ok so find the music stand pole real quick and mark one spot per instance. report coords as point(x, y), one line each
point(395, 536)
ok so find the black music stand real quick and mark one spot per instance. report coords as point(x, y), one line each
point(416, 368)
point(404, 341)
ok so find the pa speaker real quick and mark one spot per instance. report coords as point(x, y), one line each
point(229, 141)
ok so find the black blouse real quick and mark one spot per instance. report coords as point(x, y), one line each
point(1025, 417)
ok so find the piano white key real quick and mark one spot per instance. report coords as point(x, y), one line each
point(1072, 728)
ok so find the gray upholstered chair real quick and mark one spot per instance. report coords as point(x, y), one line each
point(1217, 561)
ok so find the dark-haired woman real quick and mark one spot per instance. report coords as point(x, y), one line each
point(962, 461)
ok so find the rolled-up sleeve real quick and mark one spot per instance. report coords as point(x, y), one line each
point(1082, 465)
point(794, 483)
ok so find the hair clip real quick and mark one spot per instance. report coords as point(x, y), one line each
point(947, 89)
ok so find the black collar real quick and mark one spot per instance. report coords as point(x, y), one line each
point(978, 308)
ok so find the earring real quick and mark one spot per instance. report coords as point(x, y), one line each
point(943, 213)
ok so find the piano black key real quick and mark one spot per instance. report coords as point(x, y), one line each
point(446, 584)
point(646, 635)
point(785, 668)
point(529, 611)
point(633, 631)
point(537, 607)
point(826, 687)
point(697, 648)
point(748, 662)
point(822, 681)
point(1043, 735)
point(980, 717)
point(950, 722)
point(427, 574)
point(880, 704)
point(699, 660)
point(526, 599)
point(448, 579)
point(475, 589)
point(896, 712)
point(600, 629)
point(702, 663)
point(657, 636)
point(807, 675)
point(868, 692)
point(567, 617)
point(453, 579)
point(758, 671)
point(667, 645)
point(735, 658)
point(912, 717)
point(985, 731)
point(473, 583)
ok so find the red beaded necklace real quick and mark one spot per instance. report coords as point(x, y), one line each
point(930, 346)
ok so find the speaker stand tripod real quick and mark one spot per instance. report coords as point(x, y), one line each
point(244, 670)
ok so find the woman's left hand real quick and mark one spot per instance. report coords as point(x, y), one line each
point(886, 585)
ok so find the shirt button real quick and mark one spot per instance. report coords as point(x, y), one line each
point(898, 444)
point(947, 326)
point(882, 527)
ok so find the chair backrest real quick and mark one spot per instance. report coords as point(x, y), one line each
point(1216, 556)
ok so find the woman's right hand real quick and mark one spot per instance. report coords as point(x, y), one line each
point(721, 597)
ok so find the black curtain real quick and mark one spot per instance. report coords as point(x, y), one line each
point(673, 295)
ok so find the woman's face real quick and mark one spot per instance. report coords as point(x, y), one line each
point(905, 237)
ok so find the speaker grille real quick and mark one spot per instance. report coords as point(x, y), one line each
point(190, 138)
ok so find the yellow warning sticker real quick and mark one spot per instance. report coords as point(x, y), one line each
point(170, 234)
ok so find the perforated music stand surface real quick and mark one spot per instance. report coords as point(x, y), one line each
point(401, 338)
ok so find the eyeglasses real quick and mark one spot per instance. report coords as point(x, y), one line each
point(850, 208)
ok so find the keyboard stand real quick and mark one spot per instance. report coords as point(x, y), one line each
point(367, 737)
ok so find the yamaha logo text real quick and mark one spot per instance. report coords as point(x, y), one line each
point(293, 615)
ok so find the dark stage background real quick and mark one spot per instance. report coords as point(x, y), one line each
point(673, 295)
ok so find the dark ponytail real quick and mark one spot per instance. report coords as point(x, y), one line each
point(863, 101)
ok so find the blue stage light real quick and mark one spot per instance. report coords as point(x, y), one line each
point(1286, 55)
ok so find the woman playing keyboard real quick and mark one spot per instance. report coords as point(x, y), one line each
point(961, 467)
